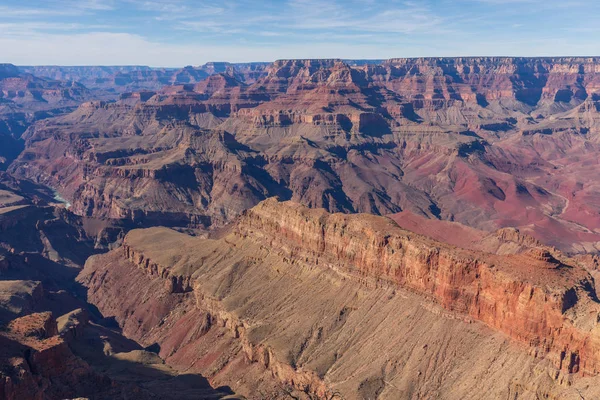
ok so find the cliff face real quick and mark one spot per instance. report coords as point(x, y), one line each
point(526, 296)
point(38, 364)
point(25, 99)
point(332, 302)
point(42, 357)
point(44, 361)
point(526, 80)
point(471, 140)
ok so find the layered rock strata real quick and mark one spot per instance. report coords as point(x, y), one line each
point(472, 140)
point(331, 302)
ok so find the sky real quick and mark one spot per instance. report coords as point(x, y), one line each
point(176, 33)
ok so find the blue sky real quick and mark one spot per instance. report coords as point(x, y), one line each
point(191, 32)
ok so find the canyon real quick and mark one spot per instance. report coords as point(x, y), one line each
point(355, 305)
point(476, 141)
point(55, 345)
point(303, 229)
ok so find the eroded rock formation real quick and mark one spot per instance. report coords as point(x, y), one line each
point(24, 99)
point(52, 344)
point(135, 78)
point(496, 157)
point(472, 140)
point(353, 303)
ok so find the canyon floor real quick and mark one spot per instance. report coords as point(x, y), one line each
point(303, 229)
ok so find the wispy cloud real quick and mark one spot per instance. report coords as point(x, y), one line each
point(304, 18)
point(53, 9)
point(154, 31)
point(208, 26)
point(34, 29)
point(98, 5)
point(180, 10)
point(404, 17)
point(24, 12)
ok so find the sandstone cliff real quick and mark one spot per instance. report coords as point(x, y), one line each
point(472, 140)
point(42, 248)
point(38, 364)
point(352, 303)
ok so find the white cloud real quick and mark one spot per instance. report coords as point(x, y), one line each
point(124, 48)
point(24, 12)
point(37, 29)
point(182, 32)
point(57, 9)
point(404, 17)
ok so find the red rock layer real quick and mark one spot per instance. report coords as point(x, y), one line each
point(281, 263)
point(38, 364)
point(532, 297)
point(472, 140)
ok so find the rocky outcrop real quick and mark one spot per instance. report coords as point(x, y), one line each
point(8, 71)
point(471, 140)
point(21, 88)
point(38, 364)
point(483, 79)
point(18, 297)
point(26, 98)
point(295, 288)
point(42, 248)
point(525, 296)
point(38, 360)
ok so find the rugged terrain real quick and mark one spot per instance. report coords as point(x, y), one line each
point(54, 345)
point(29, 94)
point(120, 79)
point(354, 305)
point(435, 230)
point(486, 142)
point(26, 98)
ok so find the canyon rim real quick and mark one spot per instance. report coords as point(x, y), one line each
point(347, 209)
